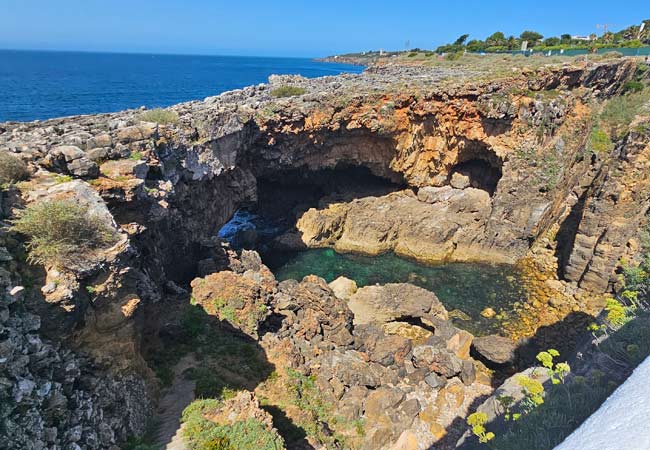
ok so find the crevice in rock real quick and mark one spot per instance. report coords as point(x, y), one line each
point(416, 321)
point(566, 235)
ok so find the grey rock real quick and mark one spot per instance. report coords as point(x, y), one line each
point(495, 349)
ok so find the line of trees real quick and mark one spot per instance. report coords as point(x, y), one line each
point(631, 36)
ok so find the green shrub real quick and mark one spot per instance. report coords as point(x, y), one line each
point(136, 156)
point(159, 115)
point(633, 86)
point(619, 112)
point(61, 231)
point(599, 141)
point(453, 56)
point(201, 433)
point(12, 169)
point(287, 91)
point(565, 407)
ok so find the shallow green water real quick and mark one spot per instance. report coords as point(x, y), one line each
point(468, 287)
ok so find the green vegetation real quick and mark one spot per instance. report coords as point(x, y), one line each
point(557, 371)
point(203, 434)
point(60, 179)
point(599, 142)
point(618, 113)
point(135, 156)
point(564, 408)
point(159, 115)
point(12, 169)
point(287, 91)
point(62, 231)
point(630, 37)
point(477, 422)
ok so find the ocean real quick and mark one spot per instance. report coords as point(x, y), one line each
point(41, 85)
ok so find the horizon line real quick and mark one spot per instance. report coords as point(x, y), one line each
point(119, 52)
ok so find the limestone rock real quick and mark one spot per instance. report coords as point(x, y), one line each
point(495, 349)
point(381, 304)
point(343, 288)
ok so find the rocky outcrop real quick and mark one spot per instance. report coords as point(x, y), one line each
point(439, 224)
point(53, 397)
point(394, 302)
point(610, 211)
point(480, 171)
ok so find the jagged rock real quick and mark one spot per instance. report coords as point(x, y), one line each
point(74, 160)
point(241, 300)
point(439, 360)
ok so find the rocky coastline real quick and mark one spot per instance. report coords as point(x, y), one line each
point(454, 167)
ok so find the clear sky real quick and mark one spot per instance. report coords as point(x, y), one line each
point(291, 28)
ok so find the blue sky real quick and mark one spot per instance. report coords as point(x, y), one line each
point(290, 28)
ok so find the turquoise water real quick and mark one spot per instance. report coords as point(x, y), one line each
point(467, 287)
point(41, 85)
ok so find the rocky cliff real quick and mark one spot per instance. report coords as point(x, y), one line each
point(495, 170)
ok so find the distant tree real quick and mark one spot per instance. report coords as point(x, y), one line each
point(496, 39)
point(531, 36)
point(475, 46)
point(461, 40)
point(549, 42)
point(513, 43)
point(565, 39)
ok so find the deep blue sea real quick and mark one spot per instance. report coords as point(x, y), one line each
point(41, 85)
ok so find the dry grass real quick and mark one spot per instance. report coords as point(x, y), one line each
point(62, 232)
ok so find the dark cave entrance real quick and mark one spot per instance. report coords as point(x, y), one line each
point(284, 195)
point(478, 167)
point(477, 173)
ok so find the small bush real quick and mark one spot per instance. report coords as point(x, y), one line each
point(633, 86)
point(160, 116)
point(201, 433)
point(61, 231)
point(287, 91)
point(453, 56)
point(599, 142)
point(620, 111)
point(12, 169)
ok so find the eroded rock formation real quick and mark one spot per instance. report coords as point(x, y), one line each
point(490, 171)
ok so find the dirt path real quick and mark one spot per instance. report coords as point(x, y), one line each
point(171, 406)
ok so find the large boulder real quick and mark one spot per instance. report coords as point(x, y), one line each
point(239, 299)
point(495, 349)
point(73, 160)
point(381, 304)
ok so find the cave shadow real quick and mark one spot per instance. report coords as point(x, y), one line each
point(566, 336)
point(226, 359)
point(495, 127)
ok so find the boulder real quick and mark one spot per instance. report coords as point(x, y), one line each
point(74, 161)
point(459, 181)
point(439, 360)
point(343, 287)
point(495, 349)
point(381, 304)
